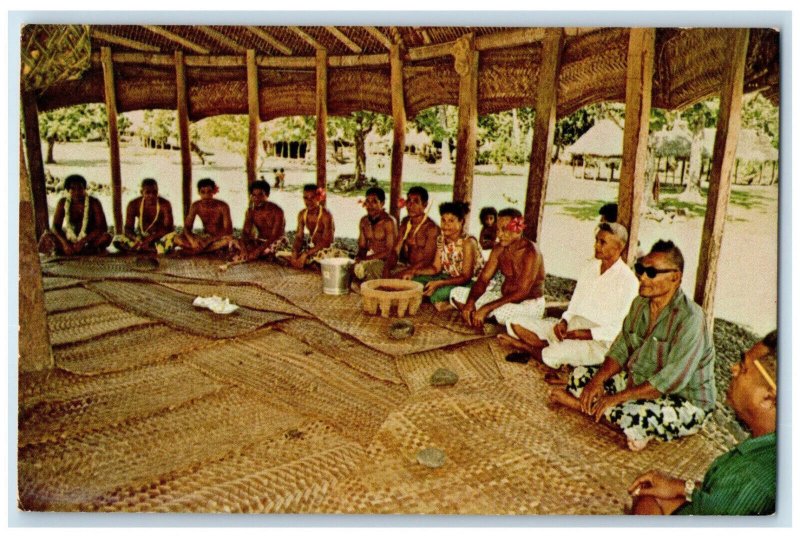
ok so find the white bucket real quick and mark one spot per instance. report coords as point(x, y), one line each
point(336, 275)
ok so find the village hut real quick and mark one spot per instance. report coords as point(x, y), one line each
point(597, 150)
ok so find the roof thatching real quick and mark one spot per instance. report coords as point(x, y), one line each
point(688, 67)
point(603, 139)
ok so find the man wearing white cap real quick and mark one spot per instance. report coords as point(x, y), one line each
point(594, 317)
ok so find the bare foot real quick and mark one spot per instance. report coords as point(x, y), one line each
point(559, 396)
point(513, 342)
point(555, 378)
point(636, 445)
point(443, 306)
point(529, 337)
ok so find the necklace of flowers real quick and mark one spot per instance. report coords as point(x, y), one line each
point(69, 231)
point(141, 216)
point(316, 226)
point(408, 224)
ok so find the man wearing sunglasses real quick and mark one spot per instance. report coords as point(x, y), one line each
point(742, 481)
point(657, 380)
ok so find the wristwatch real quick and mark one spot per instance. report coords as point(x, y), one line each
point(688, 489)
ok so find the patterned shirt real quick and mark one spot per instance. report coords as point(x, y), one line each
point(740, 482)
point(452, 255)
point(676, 357)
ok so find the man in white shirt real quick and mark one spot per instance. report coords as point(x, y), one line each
point(601, 300)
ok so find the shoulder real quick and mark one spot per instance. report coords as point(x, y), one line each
point(164, 201)
point(272, 206)
point(136, 201)
point(61, 203)
point(221, 204)
point(95, 202)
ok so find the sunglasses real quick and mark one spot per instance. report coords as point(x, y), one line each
point(650, 271)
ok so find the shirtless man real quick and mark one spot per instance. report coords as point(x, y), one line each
point(216, 218)
point(85, 230)
point(148, 222)
point(521, 263)
point(319, 222)
point(264, 227)
point(416, 242)
point(376, 238)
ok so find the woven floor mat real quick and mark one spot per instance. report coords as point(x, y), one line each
point(286, 371)
point(344, 314)
point(88, 323)
point(472, 361)
point(102, 267)
point(72, 472)
point(99, 402)
point(123, 350)
point(352, 352)
point(175, 309)
point(290, 472)
point(505, 455)
point(59, 282)
point(202, 268)
point(250, 296)
point(449, 319)
point(70, 298)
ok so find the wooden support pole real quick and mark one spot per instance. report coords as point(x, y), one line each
point(113, 137)
point(719, 189)
point(183, 132)
point(399, 139)
point(33, 146)
point(35, 352)
point(322, 117)
point(253, 116)
point(543, 133)
point(466, 65)
point(638, 95)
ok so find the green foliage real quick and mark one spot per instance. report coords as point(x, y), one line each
point(159, 126)
point(289, 129)
point(580, 209)
point(231, 129)
point(701, 115)
point(762, 116)
point(347, 127)
point(78, 123)
point(439, 122)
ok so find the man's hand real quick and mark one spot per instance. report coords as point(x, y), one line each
point(605, 402)
point(591, 394)
point(467, 310)
point(430, 288)
point(560, 330)
point(657, 484)
point(479, 316)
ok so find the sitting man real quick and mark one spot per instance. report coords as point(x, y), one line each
point(657, 379)
point(85, 230)
point(742, 481)
point(416, 242)
point(377, 234)
point(264, 227)
point(216, 218)
point(519, 260)
point(601, 300)
point(154, 229)
point(319, 222)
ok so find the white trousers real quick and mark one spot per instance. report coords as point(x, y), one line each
point(558, 353)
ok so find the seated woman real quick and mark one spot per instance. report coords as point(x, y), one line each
point(457, 259)
point(79, 224)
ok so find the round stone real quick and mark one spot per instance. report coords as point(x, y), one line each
point(401, 329)
point(444, 377)
point(431, 457)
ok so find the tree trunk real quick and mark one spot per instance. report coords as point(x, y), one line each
point(445, 165)
point(361, 156)
point(693, 192)
point(51, 142)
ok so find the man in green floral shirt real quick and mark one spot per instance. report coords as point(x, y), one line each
point(742, 481)
point(657, 380)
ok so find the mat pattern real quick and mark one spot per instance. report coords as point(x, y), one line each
point(210, 269)
point(175, 309)
point(471, 362)
point(59, 282)
point(102, 267)
point(249, 296)
point(88, 323)
point(60, 300)
point(130, 348)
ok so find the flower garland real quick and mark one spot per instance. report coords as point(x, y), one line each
point(141, 216)
point(69, 231)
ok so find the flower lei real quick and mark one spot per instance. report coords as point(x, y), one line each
point(316, 226)
point(141, 216)
point(408, 224)
point(69, 231)
point(516, 225)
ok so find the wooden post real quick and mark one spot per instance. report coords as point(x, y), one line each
point(719, 189)
point(544, 124)
point(253, 116)
point(34, 338)
point(322, 116)
point(736, 173)
point(638, 93)
point(772, 180)
point(399, 140)
point(113, 136)
point(466, 65)
point(183, 132)
point(33, 145)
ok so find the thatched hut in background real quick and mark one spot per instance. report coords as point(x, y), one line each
point(598, 152)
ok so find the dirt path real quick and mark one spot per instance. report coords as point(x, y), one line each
point(746, 290)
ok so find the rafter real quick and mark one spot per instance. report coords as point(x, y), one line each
point(263, 34)
point(396, 36)
point(377, 34)
point(125, 42)
point(163, 32)
point(344, 39)
point(307, 38)
point(426, 37)
point(222, 39)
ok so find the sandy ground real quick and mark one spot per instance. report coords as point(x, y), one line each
point(746, 290)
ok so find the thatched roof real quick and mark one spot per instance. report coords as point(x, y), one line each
point(688, 67)
point(603, 139)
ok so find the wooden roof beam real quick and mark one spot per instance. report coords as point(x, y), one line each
point(426, 36)
point(307, 38)
point(397, 37)
point(125, 42)
point(163, 32)
point(293, 62)
point(509, 38)
point(344, 39)
point(377, 34)
point(263, 34)
point(222, 39)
